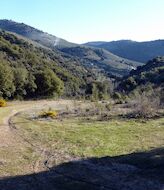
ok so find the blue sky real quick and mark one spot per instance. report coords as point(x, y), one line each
point(90, 20)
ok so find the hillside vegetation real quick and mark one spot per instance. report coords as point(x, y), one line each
point(147, 78)
point(113, 65)
point(28, 71)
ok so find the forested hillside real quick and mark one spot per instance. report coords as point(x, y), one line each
point(29, 71)
point(145, 78)
point(102, 59)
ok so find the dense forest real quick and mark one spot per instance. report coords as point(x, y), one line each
point(27, 70)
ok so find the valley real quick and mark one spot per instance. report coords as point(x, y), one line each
point(79, 116)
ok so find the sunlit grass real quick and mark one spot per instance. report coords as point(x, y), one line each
point(82, 138)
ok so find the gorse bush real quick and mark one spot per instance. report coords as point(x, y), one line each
point(48, 114)
point(3, 103)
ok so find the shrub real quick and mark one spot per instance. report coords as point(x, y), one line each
point(108, 106)
point(117, 96)
point(3, 103)
point(146, 106)
point(49, 114)
point(98, 90)
point(120, 101)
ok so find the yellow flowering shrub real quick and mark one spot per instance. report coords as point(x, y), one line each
point(3, 103)
point(49, 114)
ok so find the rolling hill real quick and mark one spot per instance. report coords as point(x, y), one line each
point(137, 51)
point(34, 34)
point(93, 58)
point(103, 59)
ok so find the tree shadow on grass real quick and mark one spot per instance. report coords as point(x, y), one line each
point(136, 171)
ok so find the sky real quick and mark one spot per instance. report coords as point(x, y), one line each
point(81, 21)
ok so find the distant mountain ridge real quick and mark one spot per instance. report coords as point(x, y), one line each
point(137, 51)
point(94, 58)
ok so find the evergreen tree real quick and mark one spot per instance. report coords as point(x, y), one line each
point(7, 86)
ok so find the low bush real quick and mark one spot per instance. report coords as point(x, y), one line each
point(117, 96)
point(49, 114)
point(145, 106)
point(108, 106)
point(3, 103)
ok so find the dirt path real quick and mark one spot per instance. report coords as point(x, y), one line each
point(6, 136)
point(13, 146)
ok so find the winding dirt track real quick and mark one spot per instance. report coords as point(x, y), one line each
point(7, 137)
point(11, 139)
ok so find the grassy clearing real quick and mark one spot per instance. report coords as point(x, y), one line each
point(81, 138)
point(71, 137)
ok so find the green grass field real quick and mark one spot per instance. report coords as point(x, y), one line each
point(82, 138)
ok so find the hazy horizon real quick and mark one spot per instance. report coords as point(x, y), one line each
point(88, 20)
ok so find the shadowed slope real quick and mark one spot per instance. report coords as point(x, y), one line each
point(143, 171)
